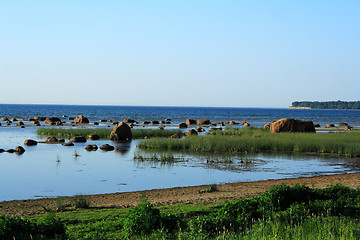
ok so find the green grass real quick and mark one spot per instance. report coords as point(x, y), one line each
point(105, 133)
point(255, 140)
point(283, 212)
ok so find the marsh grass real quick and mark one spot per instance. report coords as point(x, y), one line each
point(154, 157)
point(254, 140)
point(105, 133)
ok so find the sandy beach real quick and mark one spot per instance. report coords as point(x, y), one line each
point(160, 197)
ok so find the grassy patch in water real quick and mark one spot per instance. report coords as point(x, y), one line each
point(104, 133)
point(255, 140)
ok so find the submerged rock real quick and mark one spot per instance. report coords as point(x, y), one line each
point(107, 147)
point(19, 150)
point(51, 139)
point(68, 144)
point(77, 139)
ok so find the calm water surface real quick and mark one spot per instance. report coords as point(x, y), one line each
point(50, 170)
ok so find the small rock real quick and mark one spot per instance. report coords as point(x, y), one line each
point(68, 144)
point(30, 142)
point(93, 137)
point(107, 147)
point(190, 132)
point(19, 150)
point(77, 139)
point(51, 139)
point(183, 125)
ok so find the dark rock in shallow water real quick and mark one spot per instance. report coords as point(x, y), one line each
point(51, 139)
point(19, 150)
point(121, 131)
point(20, 124)
point(291, 125)
point(190, 121)
point(68, 144)
point(107, 147)
point(93, 137)
point(203, 121)
point(10, 151)
point(78, 139)
point(91, 147)
point(52, 120)
point(183, 125)
point(81, 119)
point(30, 142)
point(2, 150)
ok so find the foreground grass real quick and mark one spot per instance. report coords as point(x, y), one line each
point(262, 140)
point(105, 133)
point(283, 212)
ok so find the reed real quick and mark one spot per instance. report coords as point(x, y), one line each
point(104, 133)
point(260, 140)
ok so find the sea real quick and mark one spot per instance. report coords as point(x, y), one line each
point(52, 170)
point(254, 116)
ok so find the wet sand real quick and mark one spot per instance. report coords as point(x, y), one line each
point(160, 197)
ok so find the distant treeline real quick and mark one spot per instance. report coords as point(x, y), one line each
point(328, 105)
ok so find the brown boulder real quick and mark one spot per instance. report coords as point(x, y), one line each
point(190, 121)
point(200, 129)
point(190, 132)
point(107, 147)
point(30, 142)
point(51, 120)
point(291, 125)
point(41, 119)
point(93, 137)
point(329, 125)
point(51, 139)
point(121, 131)
point(155, 122)
point(20, 124)
point(68, 144)
point(78, 139)
point(267, 126)
point(246, 124)
point(81, 119)
point(233, 123)
point(129, 120)
point(183, 125)
point(203, 121)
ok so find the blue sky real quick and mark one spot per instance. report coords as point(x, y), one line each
point(179, 53)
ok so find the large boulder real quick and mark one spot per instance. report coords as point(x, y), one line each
point(77, 139)
point(190, 132)
point(183, 125)
point(291, 125)
point(203, 121)
point(121, 131)
point(30, 142)
point(52, 120)
point(190, 121)
point(81, 119)
point(51, 139)
point(19, 150)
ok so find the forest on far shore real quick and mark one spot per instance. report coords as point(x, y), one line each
point(327, 105)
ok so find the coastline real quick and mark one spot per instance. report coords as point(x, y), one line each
point(163, 197)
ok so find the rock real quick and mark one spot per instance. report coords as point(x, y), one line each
point(30, 142)
point(243, 122)
point(291, 125)
point(221, 124)
point(175, 136)
point(93, 137)
point(51, 120)
point(121, 131)
point(267, 126)
point(10, 151)
point(4, 119)
point(13, 119)
point(155, 122)
point(68, 144)
point(161, 127)
point(61, 140)
point(102, 120)
point(35, 122)
point(129, 120)
point(89, 147)
point(190, 132)
point(203, 121)
point(190, 121)
point(8, 121)
point(329, 125)
point(96, 123)
point(233, 123)
point(20, 124)
point(168, 119)
point(51, 139)
point(342, 124)
point(64, 116)
point(40, 119)
point(162, 122)
point(107, 147)
point(316, 125)
point(114, 122)
point(146, 122)
point(2, 150)
point(0, 124)
point(348, 128)
point(19, 150)
point(200, 129)
point(246, 124)
point(183, 125)
point(71, 118)
point(78, 139)
point(81, 119)
point(95, 147)
point(58, 124)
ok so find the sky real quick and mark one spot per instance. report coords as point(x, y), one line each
point(229, 53)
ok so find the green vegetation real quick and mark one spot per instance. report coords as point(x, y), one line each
point(104, 133)
point(284, 212)
point(328, 105)
point(254, 140)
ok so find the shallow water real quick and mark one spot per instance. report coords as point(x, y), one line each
point(50, 170)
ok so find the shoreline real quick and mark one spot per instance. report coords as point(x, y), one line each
point(170, 196)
